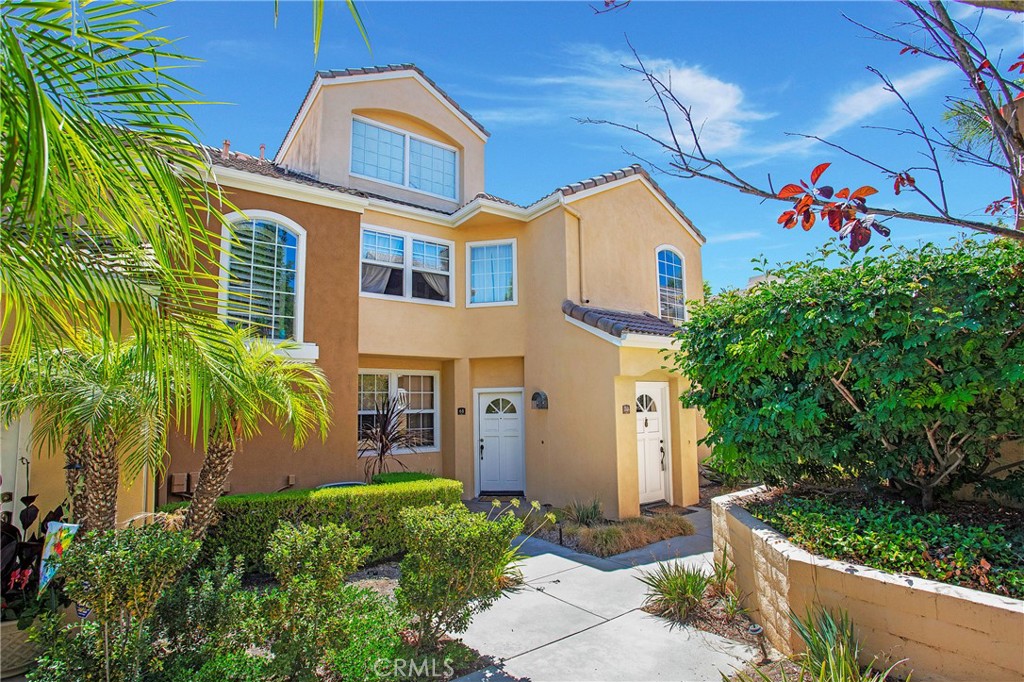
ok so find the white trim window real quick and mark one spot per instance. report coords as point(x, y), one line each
point(671, 285)
point(403, 265)
point(491, 278)
point(418, 391)
point(403, 159)
point(263, 263)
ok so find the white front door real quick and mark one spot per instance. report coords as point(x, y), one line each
point(500, 442)
point(651, 440)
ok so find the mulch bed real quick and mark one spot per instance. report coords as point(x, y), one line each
point(382, 578)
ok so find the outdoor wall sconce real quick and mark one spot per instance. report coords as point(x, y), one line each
point(539, 400)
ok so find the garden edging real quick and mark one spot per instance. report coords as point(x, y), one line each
point(945, 632)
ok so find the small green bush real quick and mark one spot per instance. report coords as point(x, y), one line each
point(402, 477)
point(893, 537)
point(453, 567)
point(322, 554)
point(584, 513)
point(120, 575)
point(674, 590)
point(247, 521)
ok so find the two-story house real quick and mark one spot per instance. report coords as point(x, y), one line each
point(526, 341)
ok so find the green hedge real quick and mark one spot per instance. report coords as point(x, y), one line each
point(402, 477)
point(247, 521)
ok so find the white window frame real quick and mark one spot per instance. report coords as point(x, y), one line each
point(305, 351)
point(407, 266)
point(657, 280)
point(405, 171)
point(393, 375)
point(469, 273)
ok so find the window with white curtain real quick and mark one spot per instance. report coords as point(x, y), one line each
point(417, 391)
point(491, 273)
point(401, 265)
point(671, 286)
point(262, 259)
point(392, 155)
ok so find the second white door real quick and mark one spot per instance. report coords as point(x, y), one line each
point(500, 454)
point(651, 437)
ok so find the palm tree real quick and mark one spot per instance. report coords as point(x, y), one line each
point(292, 394)
point(99, 401)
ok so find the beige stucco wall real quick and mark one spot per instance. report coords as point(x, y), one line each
point(402, 102)
point(304, 154)
point(946, 633)
point(622, 230)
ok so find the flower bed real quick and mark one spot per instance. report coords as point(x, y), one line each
point(945, 632)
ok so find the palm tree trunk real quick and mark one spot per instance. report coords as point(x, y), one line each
point(73, 476)
point(101, 479)
point(202, 511)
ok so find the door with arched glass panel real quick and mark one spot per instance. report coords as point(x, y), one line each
point(500, 456)
point(652, 445)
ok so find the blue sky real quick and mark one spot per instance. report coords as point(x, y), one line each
point(752, 70)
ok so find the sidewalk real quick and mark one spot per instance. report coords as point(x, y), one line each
point(578, 619)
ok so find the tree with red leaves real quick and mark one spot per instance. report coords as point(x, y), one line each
point(997, 99)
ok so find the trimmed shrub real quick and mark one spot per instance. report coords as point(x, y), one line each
point(454, 567)
point(247, 521)
point(402, 477)
point(901, 365)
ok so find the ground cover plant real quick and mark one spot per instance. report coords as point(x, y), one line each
point(900, 366)
point(892, 536)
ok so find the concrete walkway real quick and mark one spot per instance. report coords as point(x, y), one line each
point(578, 619)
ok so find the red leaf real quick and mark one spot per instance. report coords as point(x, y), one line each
point(818, 170)
point(897, 183)
point(909, 179)
point(790, 191)
point(986, 64)
point(804, 203)
point(859, 237)
point(808, 220)
point(791, 223)
point(843, 193)
point(825, 191)
point(786, 215)
point(864, 192)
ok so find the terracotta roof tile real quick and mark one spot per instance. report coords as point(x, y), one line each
point(619, 322)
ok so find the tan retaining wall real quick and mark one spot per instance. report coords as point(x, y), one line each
point(945, 632)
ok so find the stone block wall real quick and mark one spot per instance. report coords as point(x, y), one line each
point(945, 632)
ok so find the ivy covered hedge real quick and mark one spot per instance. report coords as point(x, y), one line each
point(904, 366)
point(247, 521)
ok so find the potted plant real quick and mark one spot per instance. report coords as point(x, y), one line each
point(20, 555)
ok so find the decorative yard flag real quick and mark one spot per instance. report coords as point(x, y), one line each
point(58, 537)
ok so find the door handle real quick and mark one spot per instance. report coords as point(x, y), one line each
point(662, 455)
point(645, 422)
point(481, 449)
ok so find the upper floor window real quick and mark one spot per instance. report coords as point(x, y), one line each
point(492, 273)
point(401, 158)
point(406, 266)
point(671, 286)
point(263, 260)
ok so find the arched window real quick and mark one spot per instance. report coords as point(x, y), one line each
point(263, 260)
point(671, 285)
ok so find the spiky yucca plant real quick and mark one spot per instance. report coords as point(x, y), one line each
point(386, 434)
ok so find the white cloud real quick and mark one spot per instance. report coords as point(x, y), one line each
point(849, 109)
point(734, 237)
point(594, 85)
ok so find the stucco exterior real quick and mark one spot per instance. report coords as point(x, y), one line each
point(593, 243)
